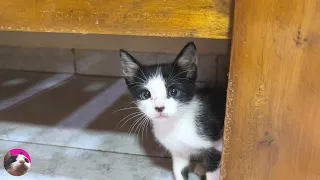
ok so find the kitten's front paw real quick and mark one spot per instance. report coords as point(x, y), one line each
point(185, 173)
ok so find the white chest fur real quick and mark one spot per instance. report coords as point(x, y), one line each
point(180, 136)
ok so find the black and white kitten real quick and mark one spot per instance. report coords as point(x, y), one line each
point(187, 120)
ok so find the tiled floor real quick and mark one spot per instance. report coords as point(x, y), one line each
point(71, 126)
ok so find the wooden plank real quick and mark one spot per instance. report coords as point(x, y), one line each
point(165, 18)
point(273, 112)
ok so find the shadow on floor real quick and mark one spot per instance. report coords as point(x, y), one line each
point(75, 103)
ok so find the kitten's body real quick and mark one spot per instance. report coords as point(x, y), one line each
point(187, 120)
point(198, 132)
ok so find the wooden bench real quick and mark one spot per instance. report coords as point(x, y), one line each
point(203, 20)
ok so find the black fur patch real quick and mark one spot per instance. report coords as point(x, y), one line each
point(210, 124)
point(212, 159)
point(185, 173)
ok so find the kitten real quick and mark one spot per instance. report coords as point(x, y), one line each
point(16, 165)
point(187, 120)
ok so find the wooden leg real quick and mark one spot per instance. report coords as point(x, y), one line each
point(273, 110)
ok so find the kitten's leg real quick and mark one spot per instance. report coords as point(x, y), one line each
point(180, 166)
point(213, 165)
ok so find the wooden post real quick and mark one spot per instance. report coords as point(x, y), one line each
point(272, 129)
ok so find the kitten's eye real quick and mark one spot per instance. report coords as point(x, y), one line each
point(145, 95)
point(174, 92)
point(26, 160)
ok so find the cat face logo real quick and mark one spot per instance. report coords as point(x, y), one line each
point(17, 164)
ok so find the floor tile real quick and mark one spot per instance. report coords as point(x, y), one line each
point(13, 82)
point(81, 113)
point(17, 86)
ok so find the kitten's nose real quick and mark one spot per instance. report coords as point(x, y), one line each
point(159, 109)
point(22, 161)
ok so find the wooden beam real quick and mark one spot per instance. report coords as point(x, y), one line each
point(164, 18)
point(273, 112)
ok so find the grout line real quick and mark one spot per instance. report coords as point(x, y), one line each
point(75, 70)
point(95, 150)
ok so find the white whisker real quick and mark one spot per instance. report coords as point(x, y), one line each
point(135, 115)
point(139, 126)
point(125, 109)
point(134, 124)
point(145, 127)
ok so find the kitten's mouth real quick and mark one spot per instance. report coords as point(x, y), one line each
point(162, 116)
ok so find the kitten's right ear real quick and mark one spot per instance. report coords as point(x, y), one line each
point(187, 59)
point(129, 64)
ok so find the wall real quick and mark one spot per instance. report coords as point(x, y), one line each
point(68, 54)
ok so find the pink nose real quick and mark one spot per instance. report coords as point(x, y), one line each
point(22, 161)
point(159, 109)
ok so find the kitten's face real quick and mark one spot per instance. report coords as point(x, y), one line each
point(17, 165)
point(162, 91)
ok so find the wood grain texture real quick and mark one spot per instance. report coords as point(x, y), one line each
point(273, 110)
point(168, 18)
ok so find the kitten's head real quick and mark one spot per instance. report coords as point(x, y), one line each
point(16, 165)
point(163, 91)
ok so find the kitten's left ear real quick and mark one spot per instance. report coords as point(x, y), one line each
point(188, 59)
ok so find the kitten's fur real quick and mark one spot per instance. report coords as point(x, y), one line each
point(16, 165)
point(187, 120)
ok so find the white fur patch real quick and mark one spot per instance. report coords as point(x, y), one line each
point(158, 91)
point(180, 134)
point(20, 158)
